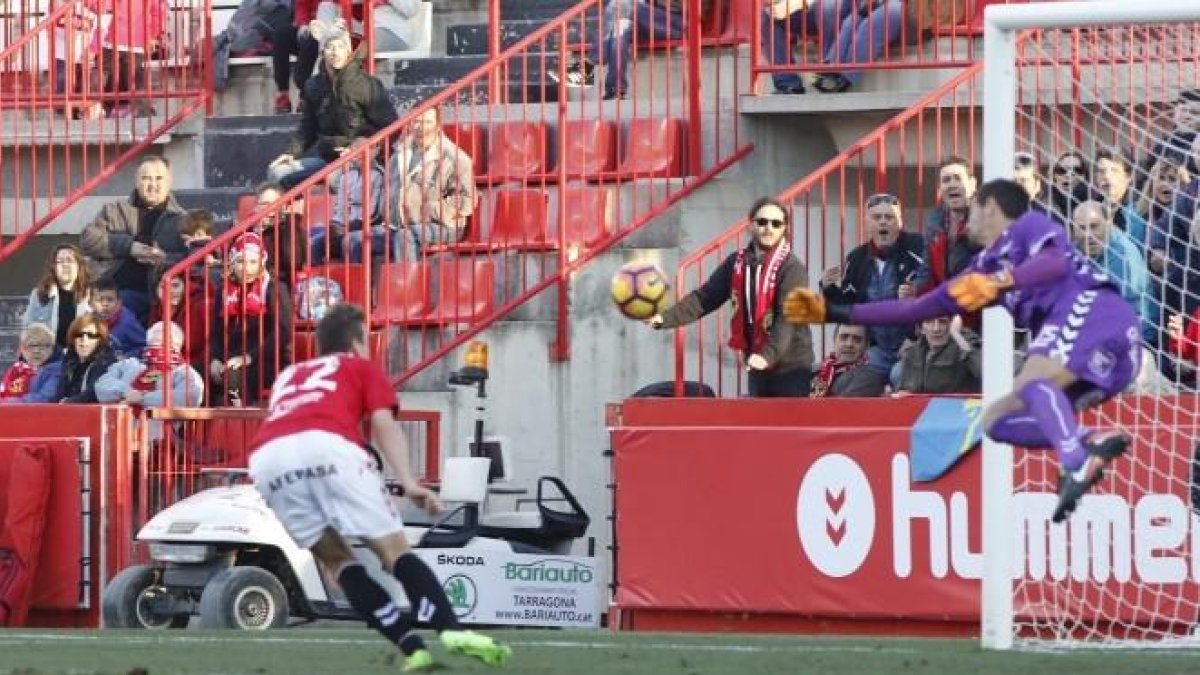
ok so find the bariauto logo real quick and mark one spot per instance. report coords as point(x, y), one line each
point(835, 515)
point(549, 571)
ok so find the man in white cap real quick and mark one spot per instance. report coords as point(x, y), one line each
point(343, 107)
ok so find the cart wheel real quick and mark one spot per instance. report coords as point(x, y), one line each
point(133, 599)
point(246, 598)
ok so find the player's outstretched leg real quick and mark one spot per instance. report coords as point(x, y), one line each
point(1102, 448)
point(1018, 428)
point(375, 605)
point(429, 603)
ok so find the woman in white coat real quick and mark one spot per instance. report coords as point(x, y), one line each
point(62, 294)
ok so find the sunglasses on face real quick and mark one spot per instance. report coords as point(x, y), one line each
point(91, 335)
point(882, 198)
point(772, 223)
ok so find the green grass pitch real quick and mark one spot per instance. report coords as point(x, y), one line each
point(316, 651)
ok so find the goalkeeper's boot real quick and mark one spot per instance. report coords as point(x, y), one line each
point(470, 643)
point(1102, 449)
point(419, 661)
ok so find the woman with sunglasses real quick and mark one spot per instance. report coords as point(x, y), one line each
point(1069, 173)
point(778, 355)
point(88, 357)
point(61, 295)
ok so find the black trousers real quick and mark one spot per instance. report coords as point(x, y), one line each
point(306, 49)
point(795, 383)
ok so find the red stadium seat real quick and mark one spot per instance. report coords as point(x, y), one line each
point(466, 288)
point(589, 215)
point(472, 139)
point(519, 220)
point(591, 148)
point(517, 151)
point(652, 149)
point(304, 345)
point(403, 292)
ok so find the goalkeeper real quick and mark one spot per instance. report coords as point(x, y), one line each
point(1086, 347)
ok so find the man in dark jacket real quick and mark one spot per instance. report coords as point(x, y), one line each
point(343, 105)
point(778, 357)
point(282, 235)
point(881, 269)
point(948, 251)
point(133, 240)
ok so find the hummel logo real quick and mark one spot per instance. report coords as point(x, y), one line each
point(425, 610)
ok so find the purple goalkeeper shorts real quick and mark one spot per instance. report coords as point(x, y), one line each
point(1097, 339)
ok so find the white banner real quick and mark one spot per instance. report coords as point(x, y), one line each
point(504, 588)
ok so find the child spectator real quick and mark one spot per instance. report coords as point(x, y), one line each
point(946, 359)
point(140, 381)
point(25, 376)
point(189, 310)
point(61, 295)
point(125, 334)
point(196, 231)
point(251, 338)
point(133, 35)
point(88, 357)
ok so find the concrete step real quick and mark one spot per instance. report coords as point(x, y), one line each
point(464, 39)
point(221, 202)
point(437, 70)
point(238, 149)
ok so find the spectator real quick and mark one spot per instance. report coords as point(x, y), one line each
point(197, 231)
point(342, 106)
point(778, 355)
point(862, 37)
point(623, 22)
point(882, 268)
point(787, 21)
point(1112, 250)
point(946, 359)
point(1184, 334)
point(44, 387)
point(434, 187)
point(251, 338)
point(88, 357)
point(1027, 171)
point(139, 382)
point(61, 295)
point(1114, 176)
point(25, 378)
point(134, 34)
point(345, 233)
point(393, 20)
point(279, 233)
point(948, 250)
point(1167, 177)
point(846, 373)
point(130, 239)
point(1069, 174)
point(1182, 277)
point(294, 38)
point(189, 310)
point(126, 335)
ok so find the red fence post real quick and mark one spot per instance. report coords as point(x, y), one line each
point(692, 12)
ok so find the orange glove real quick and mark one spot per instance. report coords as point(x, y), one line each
point(803, 306)
point(975, 291)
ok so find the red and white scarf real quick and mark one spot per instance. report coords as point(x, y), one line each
point(765, 284)
point(830, 370)
point(156, 358)
point(17, 380)
point(246, 299)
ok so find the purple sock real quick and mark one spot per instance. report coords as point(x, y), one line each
point(1055, 416)
point(1018, 429)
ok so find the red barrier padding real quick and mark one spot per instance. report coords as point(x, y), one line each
point(24, 521)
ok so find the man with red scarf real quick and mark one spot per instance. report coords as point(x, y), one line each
point(778, 356)
point(846, 372)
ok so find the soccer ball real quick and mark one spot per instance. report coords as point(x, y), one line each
point(639, 290)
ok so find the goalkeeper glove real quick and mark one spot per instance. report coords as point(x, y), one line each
point(804, 306)
point(974, 291)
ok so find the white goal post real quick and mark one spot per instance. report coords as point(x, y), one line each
point(1090, 77)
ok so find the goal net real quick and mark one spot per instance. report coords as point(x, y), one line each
point(1097, 105)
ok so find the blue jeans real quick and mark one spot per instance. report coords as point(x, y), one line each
point(821, 17)
point(291, 175)
point(862, 39)
point(409, 241)
point(351, 245)
point(649, 20)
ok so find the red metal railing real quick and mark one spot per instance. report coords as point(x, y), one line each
point(183, 450)
point(827, 210)
point(82, 93)
point(561, 175)
point(852, 36)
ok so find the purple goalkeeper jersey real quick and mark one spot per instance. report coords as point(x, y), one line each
point(1030, 235)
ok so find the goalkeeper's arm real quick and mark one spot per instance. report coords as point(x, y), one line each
point(967, 292)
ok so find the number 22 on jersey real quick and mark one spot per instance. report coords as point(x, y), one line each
point(304, 383)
